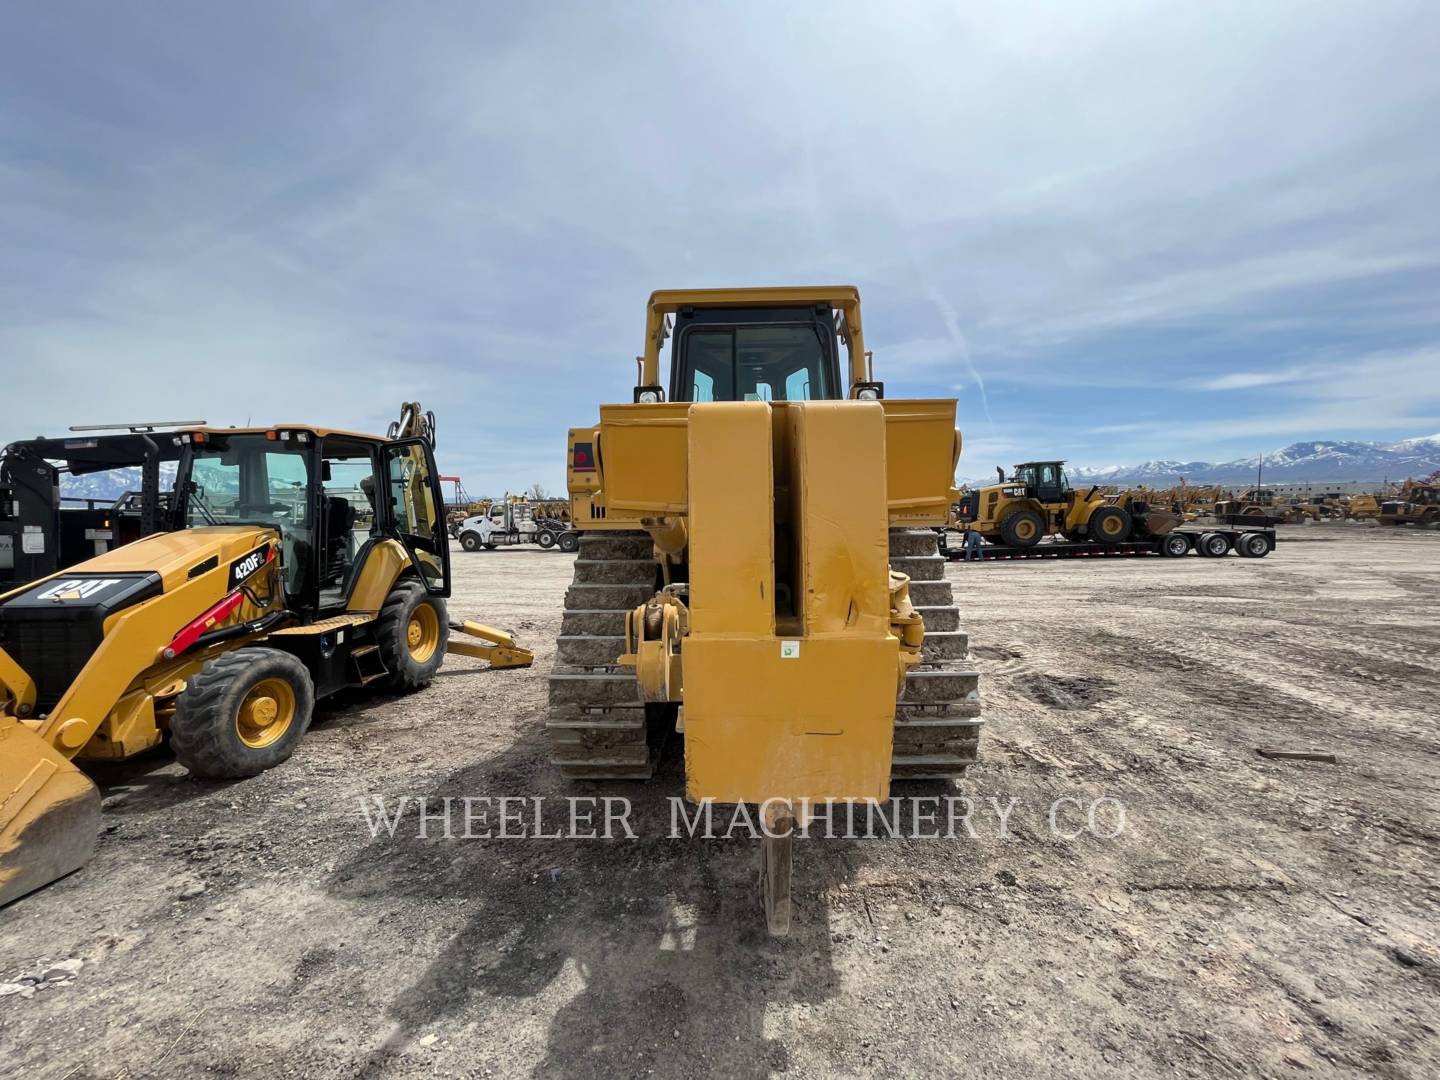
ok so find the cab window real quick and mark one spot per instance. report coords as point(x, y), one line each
point(348, 519)
point(769, 362)
point(418, 521)
point(251, 480)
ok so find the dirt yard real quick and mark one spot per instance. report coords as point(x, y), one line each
point(1255, 916)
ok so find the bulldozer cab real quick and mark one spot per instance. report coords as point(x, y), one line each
point(332, 496)
point(1044, 481)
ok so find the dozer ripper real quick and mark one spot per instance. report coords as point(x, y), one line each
point(1037, 501)
point(301, 560)
point(758, 569)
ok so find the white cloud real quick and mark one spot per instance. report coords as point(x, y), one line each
point(471, 204)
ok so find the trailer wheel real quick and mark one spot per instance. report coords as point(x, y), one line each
point(411, 632)
point(470, 541)
point(1252, 545)
point(242, 713)
point(1110, 525)
point(569, 542)
point(546, 540)
point(1175, 544)
point(1213, 544)
point(1022, 529)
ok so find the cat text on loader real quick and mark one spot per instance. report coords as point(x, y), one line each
point(758, 569)
point(1037, 501)
point(304, 560)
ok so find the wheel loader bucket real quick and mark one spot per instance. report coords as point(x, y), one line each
point(49, 812)
point(1159, 522)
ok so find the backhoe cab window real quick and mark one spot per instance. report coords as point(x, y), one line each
point(417, 517)
point(250, 480)
point(776, 362)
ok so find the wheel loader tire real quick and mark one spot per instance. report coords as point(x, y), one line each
point(569, 542)
point(1175, 545)
point(242, 713)
point(546, 540)
point(1022, 529)
point(1213, 545)
point(470, 541)
point(411, 633)
point(1110, 525)
point(1252, 546)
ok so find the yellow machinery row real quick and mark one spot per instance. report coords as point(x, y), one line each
point(758, 571)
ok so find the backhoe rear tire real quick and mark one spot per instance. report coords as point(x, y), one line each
point(1022, 529)
point(242, 713)
point(1110, 525)
point(411, 632)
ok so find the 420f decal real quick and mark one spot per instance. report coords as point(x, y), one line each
point(243, 567)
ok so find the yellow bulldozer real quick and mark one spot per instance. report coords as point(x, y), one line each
point(1037, 501)
point(300, 560)
point(1362, 507)
point(758, 569)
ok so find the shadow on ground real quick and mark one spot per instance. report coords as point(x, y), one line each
point(661, 941)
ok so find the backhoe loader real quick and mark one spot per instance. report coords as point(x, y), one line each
point(758, 570)
point(301, 560)
point(1037, 501)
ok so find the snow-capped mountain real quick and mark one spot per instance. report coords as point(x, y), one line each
point(109, 486)
point(1301, 462)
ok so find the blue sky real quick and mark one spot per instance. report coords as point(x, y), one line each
point(1116, 231)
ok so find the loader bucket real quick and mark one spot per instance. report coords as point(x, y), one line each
point(49, 812)
point(1159, 522)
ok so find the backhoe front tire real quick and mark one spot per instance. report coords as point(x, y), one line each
point(411, 632)
point(242, 713)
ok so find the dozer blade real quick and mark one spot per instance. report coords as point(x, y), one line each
point(49, 813)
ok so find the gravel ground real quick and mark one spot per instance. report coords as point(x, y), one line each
point(1255, 916)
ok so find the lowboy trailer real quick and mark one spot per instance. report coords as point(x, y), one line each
point(1211, 541)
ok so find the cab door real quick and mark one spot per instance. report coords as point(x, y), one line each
point(414, 508)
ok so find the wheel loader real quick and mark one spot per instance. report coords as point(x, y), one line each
point(302, 560)
point(758, 569)
point(1037, 501)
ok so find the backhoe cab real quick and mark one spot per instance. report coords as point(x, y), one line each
point(302, 560)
